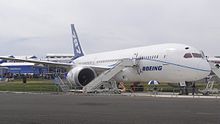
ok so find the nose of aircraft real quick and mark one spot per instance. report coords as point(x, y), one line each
point(205, 68)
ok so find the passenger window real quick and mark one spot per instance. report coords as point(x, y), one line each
point(188, 55)
point(197, 55)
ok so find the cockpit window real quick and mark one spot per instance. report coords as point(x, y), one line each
point(197, 55)
point(188, 55)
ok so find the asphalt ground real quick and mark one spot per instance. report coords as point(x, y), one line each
point(79, 109)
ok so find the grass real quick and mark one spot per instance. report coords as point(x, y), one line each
point(30, 86)
point(48, 86)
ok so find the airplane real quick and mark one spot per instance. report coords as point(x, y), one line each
point(165, 63)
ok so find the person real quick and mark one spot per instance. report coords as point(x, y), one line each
point(155, 90)
point(122, 87)
point(133, 87)
point(24, 79)
point(193, 89)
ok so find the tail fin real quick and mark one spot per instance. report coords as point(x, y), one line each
point(76, 44)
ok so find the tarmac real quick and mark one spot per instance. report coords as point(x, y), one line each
point(173, 95)
point(23, 108)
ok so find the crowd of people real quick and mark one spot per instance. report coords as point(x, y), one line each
point(10, 76)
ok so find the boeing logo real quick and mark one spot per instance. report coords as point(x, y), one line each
point(77, 47)
point(152, 68)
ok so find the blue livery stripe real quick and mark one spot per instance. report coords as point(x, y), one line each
point(164, 62)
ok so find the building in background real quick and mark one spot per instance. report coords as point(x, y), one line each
point(25, 68)
point(17, 69)
point(63, 58)
point(3, 73)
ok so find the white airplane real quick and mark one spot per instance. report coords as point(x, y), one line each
point(171, 63)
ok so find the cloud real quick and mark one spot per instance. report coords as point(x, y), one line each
point(39, 27)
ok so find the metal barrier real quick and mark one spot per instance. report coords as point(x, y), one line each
point(172, 92)
point(147, 91)
point(175, 92)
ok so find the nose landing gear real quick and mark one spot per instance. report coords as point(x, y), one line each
point(186, 86)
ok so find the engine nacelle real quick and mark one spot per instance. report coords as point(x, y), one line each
point(217, 66)
point(81, 76)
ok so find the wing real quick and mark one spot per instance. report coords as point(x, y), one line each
point(37, 61)
point(98, 69)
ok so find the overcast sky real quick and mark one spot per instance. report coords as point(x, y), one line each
point(38, 27)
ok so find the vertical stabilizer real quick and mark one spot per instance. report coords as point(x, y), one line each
point(76, 44)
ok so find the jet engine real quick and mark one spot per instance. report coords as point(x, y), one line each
point(217, 66)
point(81, 76)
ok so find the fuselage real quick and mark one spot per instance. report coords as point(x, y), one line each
point(171, 63)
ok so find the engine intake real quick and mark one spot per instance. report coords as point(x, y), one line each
point(81, 76)
point(217, 66)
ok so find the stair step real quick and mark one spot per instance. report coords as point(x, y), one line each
point(64, 85)
point(108, 75)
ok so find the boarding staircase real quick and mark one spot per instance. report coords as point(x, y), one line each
point(210, 86)
point(63, 85)
point(105, 77)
